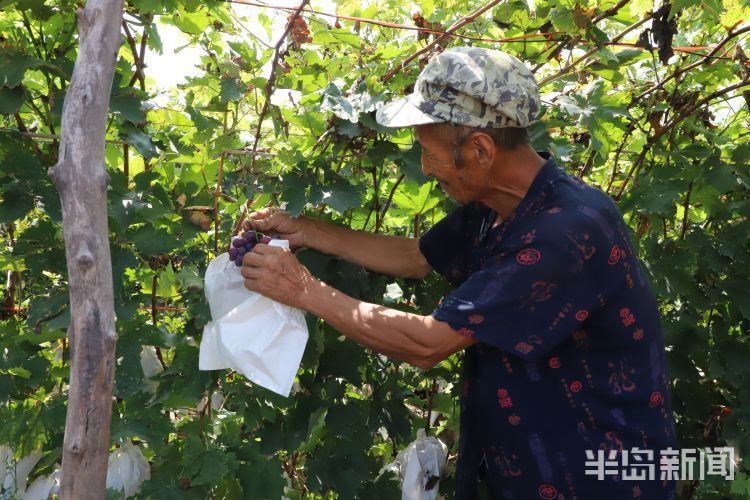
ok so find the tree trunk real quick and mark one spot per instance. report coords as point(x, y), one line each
point(81, 180)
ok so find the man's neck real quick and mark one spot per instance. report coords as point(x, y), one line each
point(514, 174)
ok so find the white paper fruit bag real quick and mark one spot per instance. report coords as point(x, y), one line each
point(420, 466)
point(127, 468)
point(260, 338)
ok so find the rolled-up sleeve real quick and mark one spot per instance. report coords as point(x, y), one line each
point(532, 296)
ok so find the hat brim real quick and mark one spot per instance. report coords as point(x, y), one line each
point(403, 113)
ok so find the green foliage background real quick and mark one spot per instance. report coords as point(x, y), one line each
point(675, 158)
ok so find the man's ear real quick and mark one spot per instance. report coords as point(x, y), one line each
point(481, 149)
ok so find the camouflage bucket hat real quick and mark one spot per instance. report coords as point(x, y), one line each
point(468, 86)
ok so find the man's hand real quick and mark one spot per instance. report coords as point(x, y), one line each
point(276, 273)
point(421, 340)
point(391, 255)
point(274, 221)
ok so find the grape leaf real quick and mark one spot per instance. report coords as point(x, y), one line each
point(262, 479)
point(13, 65)
point(231, 90)
point(128, 106)
point(11, 99)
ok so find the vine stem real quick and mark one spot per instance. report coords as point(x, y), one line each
point(468, 18)
point(430, 400)
point(683, 230)
point(22, 127)
point(126, 163)
point(134, 49)
point(387, 24)
point(387, 205)
point(567, 68)
point(680, 71)
point(544, 37)
point(634, 168)
point(730, 35)
point(272, 78)
point(587, 166)
point(57, 137)
point(154, 317)
point(9, 303)
point(376, 197)
point(682, 115)
point(143, 308)
point(201, 415)
point(154, 282)
point(217, 193)
point(142, 54)
point(574, 40)
point(688, 110)
point(628, 132)
point(243, 215)
point(611, 11)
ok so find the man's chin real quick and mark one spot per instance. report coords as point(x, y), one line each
point(442, 187)
point(450, 195)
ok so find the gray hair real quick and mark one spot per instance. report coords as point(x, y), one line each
point(507, 138)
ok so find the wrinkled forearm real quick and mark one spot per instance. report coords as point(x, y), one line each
point(420, 340)
point(392, 255)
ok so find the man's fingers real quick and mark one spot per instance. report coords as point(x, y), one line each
point(250, 273)
point(252, 259)
point(265, 219)
point(258, 219)
point(262, 213)
point(268, 223)
point(263, 249)
point(261, 224)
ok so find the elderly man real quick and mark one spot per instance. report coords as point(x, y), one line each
point(563, 351)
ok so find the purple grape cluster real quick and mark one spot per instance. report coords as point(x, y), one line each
point(244, 244)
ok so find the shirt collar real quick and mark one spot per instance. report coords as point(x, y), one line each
point(548, 173)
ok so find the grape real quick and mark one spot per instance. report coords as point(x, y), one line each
point(245, 244)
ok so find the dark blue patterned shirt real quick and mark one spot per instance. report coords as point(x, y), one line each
point(569, 354)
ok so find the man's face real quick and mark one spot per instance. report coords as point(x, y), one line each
point(460, 183)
